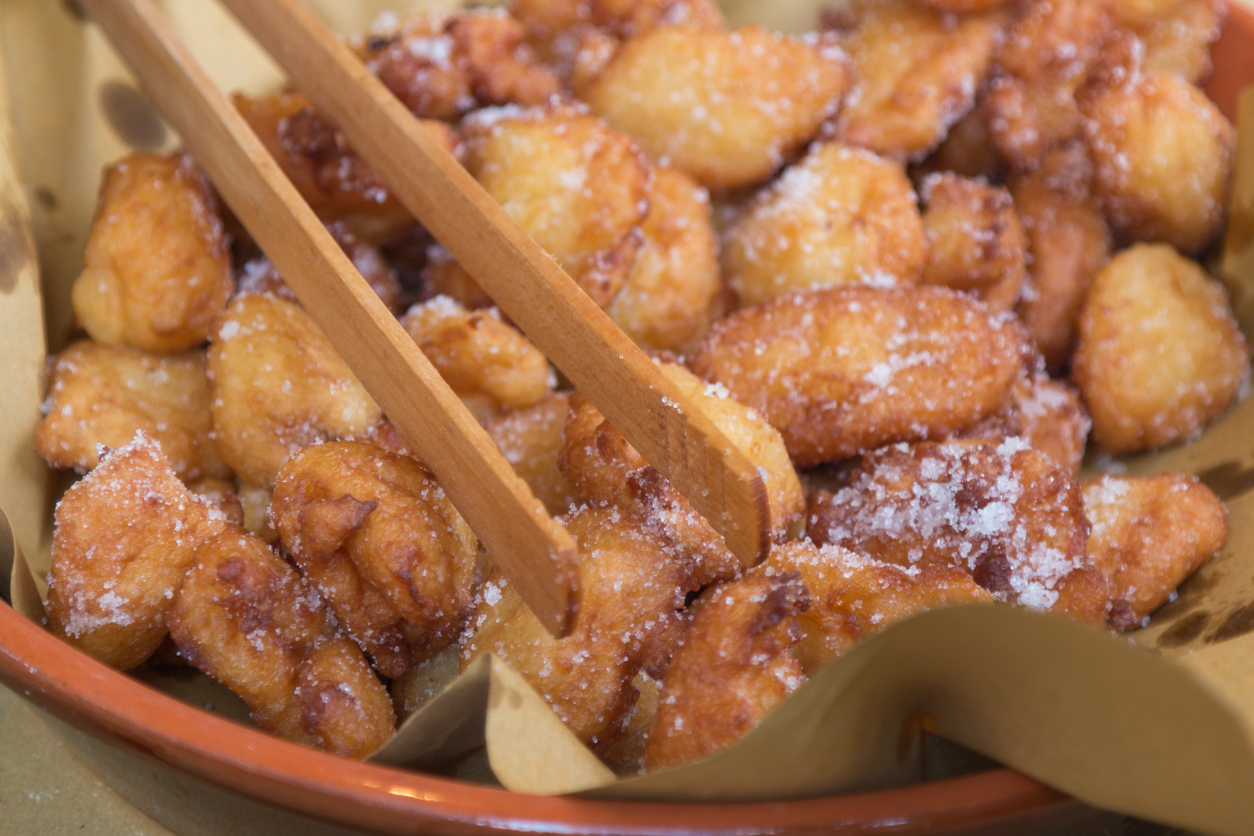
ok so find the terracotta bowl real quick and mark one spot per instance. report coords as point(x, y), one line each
point(126, 713)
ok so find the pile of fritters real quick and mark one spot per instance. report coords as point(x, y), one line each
point(906, 263)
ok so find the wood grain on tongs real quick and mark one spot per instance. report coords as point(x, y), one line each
point(534, 551)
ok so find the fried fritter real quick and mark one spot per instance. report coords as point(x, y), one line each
point(967, 150)
point(103, 395)
point(668, 300)
point(247, 619)
point(376, 535)
point(443, 64)
point(556, 25)
point(488, 363)
point(123, 539)
point(1162, 152)
point(1003, 512)
point(844, 370)
point(1150, 534)
point(1177, 33)
point(1047, 414)
point(221, 496)
point(1068, 241)
point(157, 266)
point(917, 71)
point(975, 242)
point(727, 107)
point(733, 668)
point(278, 385)
point(852, 597)
point(1160, 354)
point(255, 500)
point(840, 216)
point(605, 470)
point(632, 587)
point(531, 439)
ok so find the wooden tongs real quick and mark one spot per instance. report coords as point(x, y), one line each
point(534, 551)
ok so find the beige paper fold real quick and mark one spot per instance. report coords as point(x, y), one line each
point(1163, 738)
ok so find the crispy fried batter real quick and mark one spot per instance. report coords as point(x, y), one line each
point(1003, 512)
point(1160, 354)
point(733, 668)
point(157, 267)
point(632, 587)
point(489, 364)
point(383, 544)
point(1047, 414)
point(245, 618)
point(852, 597)
point(1177, 33)
point(414, 688)
point(917, 69)
point(255, 500)
point(727, 107)
point(840, 216)
point(1150, 534)
point(531, 440)
point(221, 496)
point(123, 540)
point(845, 370)
point(277, 386)
point(103, 395)
point(556, 25)
point(967, 149)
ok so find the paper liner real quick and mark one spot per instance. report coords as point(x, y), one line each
point(1166, 735)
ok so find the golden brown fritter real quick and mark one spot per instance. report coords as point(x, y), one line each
point(1047, 414)
point(247, 619)
point(488, 363)
point(1068, 241)
point(975, 242)
point(852, 597)
point(1177, 33)
point(1150, 534)
point(376, 535)
point(557, 25)
point(443, 64)
point(1160, 354)
point(1162, 152)
point(255, 501)
point(157, 266)
point(123, 540)
point(103, 395)
point(1047, 56)
point(631, 586)
point(577, 187)
point(605, 470)
point(221, 496)
point(729, 108)
point(531, 439)
point(668, 300)
point(278, 385)
point(733, 668)
point(844, 370)
point(840, 216)
point(966, 150)
point(917, 71)
point(1003, 512)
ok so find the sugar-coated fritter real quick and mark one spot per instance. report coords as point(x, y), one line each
point(577, 187)
point(852, 597)
point(1003, 512)
point(917, 71)
point(488, 363)
point(975, 242)
point(729, 108)
point(1047, 56)
point(1162, 152)
point(377, 536)
point(967, 150)
point(221, 496)
point(102, 395)
point(669, 297)
point(123, 539)
point(632, 586)
point(443, 64)
point(1160, 354)
point(1047, 414)
point(733, 668)
point(255, 501)
point(247, 619)
point(1068, 242)
point(531, 439)
point(278, 385)
point(1149, 534)
point(157, 270)
point(1177, 33)
point(845, 370)
point(840, 216)
point(605, 470)
point(557, 25)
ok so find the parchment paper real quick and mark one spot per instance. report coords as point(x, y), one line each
point(1159, 724)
